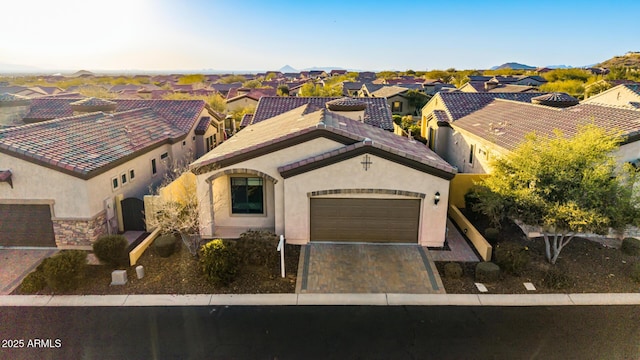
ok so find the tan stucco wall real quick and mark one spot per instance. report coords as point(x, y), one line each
point(406, 109)
point(241, 103)
point(267, 164)
point(615, 96)
point(383, 174)
point(35, 182)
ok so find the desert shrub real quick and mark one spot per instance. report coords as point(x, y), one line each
point(165, 245)
point(219, 261)
point(630, 246)
point(111, 249)
point(491, 234)
point(471, 199)
point(556, 279)
point(511, 257)
point(452, 270)
point(33, 282)
point(65, 270)
point(635, 272)
point(258, 248)
point(487, 272)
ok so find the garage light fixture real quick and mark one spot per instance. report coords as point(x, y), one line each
point(436, 198)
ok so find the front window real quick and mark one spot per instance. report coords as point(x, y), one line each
point(247, 195)
point(396, 106)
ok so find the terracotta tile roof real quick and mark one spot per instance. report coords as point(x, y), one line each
point(246, 120)
point(92, 101)
point(555, 99)
point(182, 113)
point(346, 104)
point(298, 123)
point(89, 144)
point(505, 123)
point(388, 91)
point(459, 104)
point(203, 125)
point(8, 99)
point(377, 112)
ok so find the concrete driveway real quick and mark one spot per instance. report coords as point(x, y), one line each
point(367, 268)
point(15, 264)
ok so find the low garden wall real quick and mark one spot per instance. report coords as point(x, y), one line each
point(479, 242)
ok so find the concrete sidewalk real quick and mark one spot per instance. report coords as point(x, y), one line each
point(323, 299)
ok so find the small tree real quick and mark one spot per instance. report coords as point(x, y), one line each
point(564, 186)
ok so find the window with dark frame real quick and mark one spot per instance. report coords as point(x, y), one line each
point(396, 106)
point(472, 151)
point(123, 179)
point(432, 139)
point(164, 156)
point(247, 195)
point(132, 174)
point(154, 168)
point(114, 183)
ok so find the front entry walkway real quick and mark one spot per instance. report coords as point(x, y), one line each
point(367, 268)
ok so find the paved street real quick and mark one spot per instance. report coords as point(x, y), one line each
point(323, 332)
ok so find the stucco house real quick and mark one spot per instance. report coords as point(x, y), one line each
point(61, 180)
point(624, 95)
point(313, 174)
point(471, 140)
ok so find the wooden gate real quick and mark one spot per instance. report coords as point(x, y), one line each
point(133, 214)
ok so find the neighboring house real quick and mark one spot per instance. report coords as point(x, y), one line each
point(337, 72)
point(625, 95)
point(396, 98)
point(62, 179)
point(312, 174)
point(431, 86)
point(366, 76)
point(223, 89)
point(248, 98)
point(351, 88)
point(446, 108)
point(519, 83)
point(372, 111)
point(474, 138)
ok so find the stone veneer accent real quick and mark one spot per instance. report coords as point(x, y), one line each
point(79, 232)
point(367, 191)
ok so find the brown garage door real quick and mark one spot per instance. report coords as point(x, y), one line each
point(365, 220)
point(26, 225)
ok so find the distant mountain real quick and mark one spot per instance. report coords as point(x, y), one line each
point(559, 66)
point(288, 69)
point(630, 59)
point(513, 66)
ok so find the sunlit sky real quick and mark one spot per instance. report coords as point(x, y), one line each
point(157, 35)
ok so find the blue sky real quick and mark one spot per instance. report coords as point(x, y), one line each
point(261, 35)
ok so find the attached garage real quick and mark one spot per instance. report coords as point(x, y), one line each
point(26, 225)
point(365, 220)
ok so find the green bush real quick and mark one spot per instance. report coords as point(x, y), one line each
point(165, 245)
point(511, 257)
point(452, 270)
point(64, 270)
point(258, 248)
point(219, 262)
point(556, 279)
point(33, 283)
point(630, 246)
point(491, 234)
point(111, 249)
point(635, 272)
point(487, 272)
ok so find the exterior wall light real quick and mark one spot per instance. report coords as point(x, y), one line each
point(436, 198)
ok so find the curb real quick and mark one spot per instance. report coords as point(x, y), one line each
point(322, 299)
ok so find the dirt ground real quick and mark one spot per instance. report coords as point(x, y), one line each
point(587, 266)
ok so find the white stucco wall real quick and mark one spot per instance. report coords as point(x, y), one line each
point(267, 164)
point(383, 174)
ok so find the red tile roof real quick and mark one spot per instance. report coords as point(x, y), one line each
point(377, 112)
point(87, 145)
point(300, 123)
point(246, 120)
point(203, 125)
point(459, 104)
point(182, 113)
point(505, 123)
